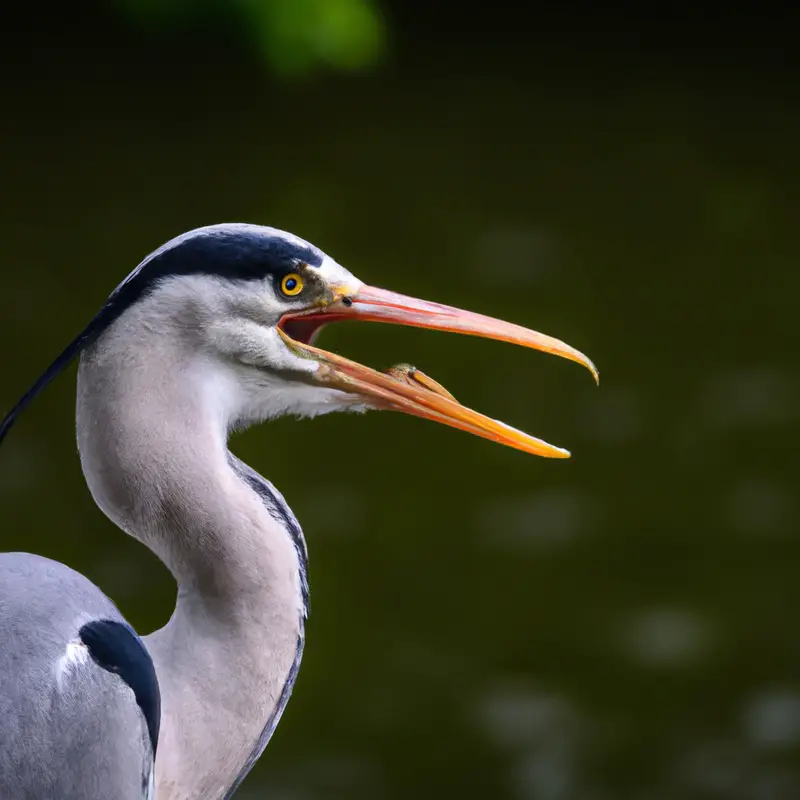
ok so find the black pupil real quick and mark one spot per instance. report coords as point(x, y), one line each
point(291, 284)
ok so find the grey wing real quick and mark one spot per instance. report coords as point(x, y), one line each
point(79, 701)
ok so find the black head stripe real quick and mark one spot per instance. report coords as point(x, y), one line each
point(234, 251)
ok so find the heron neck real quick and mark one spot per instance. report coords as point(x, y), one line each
point(152, 439)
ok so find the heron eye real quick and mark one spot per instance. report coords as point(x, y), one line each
point(292, 284)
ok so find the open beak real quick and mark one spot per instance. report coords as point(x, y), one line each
point(404, 388)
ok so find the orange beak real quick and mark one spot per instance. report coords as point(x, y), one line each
point(404, 388)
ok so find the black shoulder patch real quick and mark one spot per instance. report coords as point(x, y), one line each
point(117, 648)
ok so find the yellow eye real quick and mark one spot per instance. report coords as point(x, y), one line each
point(292, 284)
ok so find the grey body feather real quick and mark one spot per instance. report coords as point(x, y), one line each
point(69, 728)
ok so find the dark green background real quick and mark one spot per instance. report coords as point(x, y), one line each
point(484, 624)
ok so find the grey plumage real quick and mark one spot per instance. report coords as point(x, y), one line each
point(70, 729)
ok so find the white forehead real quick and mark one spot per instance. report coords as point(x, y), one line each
point(332, 272)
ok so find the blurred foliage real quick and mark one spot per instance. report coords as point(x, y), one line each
point(295, 37)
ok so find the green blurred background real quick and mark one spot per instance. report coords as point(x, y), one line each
point(484, 624)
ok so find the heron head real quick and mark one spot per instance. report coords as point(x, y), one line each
point(270, 296)
point(249, 301)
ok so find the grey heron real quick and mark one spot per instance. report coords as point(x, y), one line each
point(212, 331)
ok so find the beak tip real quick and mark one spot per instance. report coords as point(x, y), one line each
point(551, 451)
point(589, 364)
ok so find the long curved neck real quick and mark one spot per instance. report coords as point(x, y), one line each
point(152, 431)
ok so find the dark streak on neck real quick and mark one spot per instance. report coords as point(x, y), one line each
point(272, 722)
point(280, 512)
